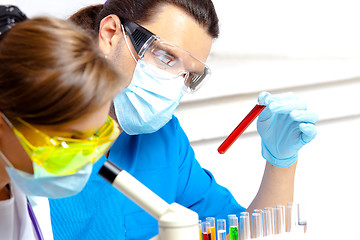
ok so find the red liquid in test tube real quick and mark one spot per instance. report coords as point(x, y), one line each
point(240, 128)
point(206, 236)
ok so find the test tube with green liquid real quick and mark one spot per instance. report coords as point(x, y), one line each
point(233, 228)
point(228, 222)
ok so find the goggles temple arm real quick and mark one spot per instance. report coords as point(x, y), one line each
point(7, 120)
point(139, 36)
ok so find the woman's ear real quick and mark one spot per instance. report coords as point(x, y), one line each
point(109, 33)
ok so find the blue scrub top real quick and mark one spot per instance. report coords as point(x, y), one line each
point(165, 162)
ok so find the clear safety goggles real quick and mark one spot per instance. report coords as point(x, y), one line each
point(166, 56)
point(60, 155)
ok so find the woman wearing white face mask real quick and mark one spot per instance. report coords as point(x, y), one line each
point(56, 89)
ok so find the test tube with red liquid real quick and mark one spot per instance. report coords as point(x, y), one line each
point(241, 128)
point(206, 235)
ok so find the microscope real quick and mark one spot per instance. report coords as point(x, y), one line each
point(175, 221)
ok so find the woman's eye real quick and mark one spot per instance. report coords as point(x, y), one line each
point(164, 57)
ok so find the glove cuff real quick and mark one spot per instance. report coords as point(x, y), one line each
point(283, 163)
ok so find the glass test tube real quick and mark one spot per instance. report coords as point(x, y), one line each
point(272, 212)
point(261, 212)
point(290, 223)
point(221, 229)
point(212, 230)
point(228, 222)
point(279, 219)
point(267, 221)
point(233, 228)
point(244, 226)
point(283, 217)
point(200, 230)
point(301, 218)
point(205, 234)
point(235, 134)
point(257, 226)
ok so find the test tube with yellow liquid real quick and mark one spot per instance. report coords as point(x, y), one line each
point(212, 229)
point(200, 231)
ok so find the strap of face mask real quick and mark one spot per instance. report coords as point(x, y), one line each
point(127, 43)
point(6, 160)
point(2, 156)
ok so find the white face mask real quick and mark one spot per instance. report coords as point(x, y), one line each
point(150, 100)
point(45, 184)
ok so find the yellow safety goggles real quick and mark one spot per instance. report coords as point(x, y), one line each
point(60, 155)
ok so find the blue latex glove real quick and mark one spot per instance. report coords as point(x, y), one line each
point(285, 126)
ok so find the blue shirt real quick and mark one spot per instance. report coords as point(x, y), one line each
point(165, 162)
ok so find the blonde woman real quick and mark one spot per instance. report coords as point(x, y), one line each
point(55, 91)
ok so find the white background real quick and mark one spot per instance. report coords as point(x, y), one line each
point(310, 47)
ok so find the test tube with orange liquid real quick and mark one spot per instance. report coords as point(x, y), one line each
point(211, 229)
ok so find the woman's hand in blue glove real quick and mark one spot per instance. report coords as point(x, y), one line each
point(285, 126)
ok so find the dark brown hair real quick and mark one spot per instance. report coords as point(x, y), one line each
point(140, 11)
point(52, 72)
